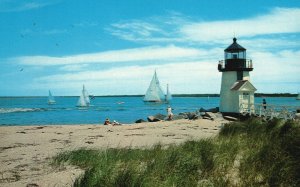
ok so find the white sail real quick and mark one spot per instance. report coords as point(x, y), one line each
point(298, 96)
point(169, 95)
point(51, 99)
point(154, 92)
point(86, 96)
point(84, 100)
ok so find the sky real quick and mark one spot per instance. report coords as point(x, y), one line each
point(113, 47)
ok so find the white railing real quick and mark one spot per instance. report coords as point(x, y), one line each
point(248, 64)
point(269, 111)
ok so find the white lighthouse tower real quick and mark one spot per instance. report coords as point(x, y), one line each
point(237, 92)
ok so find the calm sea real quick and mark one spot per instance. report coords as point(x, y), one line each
point(36, 111)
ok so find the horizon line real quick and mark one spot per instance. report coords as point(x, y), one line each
point(174, 95)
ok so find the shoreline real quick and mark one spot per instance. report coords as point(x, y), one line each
point(26, 151)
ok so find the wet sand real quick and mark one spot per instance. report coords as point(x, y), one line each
point(26, 151)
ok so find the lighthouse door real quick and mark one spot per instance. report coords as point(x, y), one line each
point(245, 102)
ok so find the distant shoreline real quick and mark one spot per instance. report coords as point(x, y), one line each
point(174, 95)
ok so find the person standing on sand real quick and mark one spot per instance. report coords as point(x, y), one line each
point(170, 114)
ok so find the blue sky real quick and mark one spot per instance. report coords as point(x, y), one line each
point(114, 46)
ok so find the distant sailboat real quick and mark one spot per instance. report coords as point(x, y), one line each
point(51, 100)
point(154, 92)
point(169, 95)
point(298, 96)
point(84, 100)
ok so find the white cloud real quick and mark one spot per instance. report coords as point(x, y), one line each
point(155, 29)
point(276, 43)
point(16, 6)
point(274, 50)
point(178, 28)
point(185, 77)
point(76, 67)
point(276, 67)
point(141, 28)
point(280, 20)
point(167, 53)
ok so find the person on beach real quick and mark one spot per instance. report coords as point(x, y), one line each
point(116, 123)
point(264, 104)
point(170, 114)
point(107, 122)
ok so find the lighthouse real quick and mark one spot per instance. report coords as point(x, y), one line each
point(237, 92)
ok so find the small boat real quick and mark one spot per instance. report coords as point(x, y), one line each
point(154, 93)
point(51, 100)
point(298, 96)
point(84, 100)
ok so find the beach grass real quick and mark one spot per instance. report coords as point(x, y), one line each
point(250, 153)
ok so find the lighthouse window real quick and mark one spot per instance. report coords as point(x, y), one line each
point(242, 55)
point(245, 95)
point(239, 55)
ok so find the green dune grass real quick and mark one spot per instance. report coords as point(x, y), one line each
point(250, 153)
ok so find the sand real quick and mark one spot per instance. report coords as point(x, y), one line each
point(27, 151)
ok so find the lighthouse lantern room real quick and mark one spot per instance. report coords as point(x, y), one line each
point(237, 92)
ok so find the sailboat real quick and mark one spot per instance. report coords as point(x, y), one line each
point(51, 100)
point(154, 92)
point(84, 100)
point(298, 96)
point(169, 95)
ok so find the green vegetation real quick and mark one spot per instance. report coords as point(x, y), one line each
point(275, 95)
point(251, 153)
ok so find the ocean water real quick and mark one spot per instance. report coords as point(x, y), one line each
point(36, 111)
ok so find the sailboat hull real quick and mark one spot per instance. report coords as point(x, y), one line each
point(156, 101)
point(149, 101)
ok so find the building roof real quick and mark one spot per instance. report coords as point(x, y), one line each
point(243, 85)
point(234, 47)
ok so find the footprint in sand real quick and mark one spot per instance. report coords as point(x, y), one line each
point(134, 135)
point(167, 135)
point(21, 132)
point(32, 185)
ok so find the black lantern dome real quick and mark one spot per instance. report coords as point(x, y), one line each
point(234, 47)
point(235, 59)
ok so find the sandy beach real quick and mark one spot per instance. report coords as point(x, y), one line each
point(26, 151)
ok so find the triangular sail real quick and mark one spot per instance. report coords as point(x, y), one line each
point(169, 95)
point(84, 99)
point(298, 97)
point(86, 96)
point(51, 99)
point(154, 92)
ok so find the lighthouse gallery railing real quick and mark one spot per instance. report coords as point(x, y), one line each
point(246, 64)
